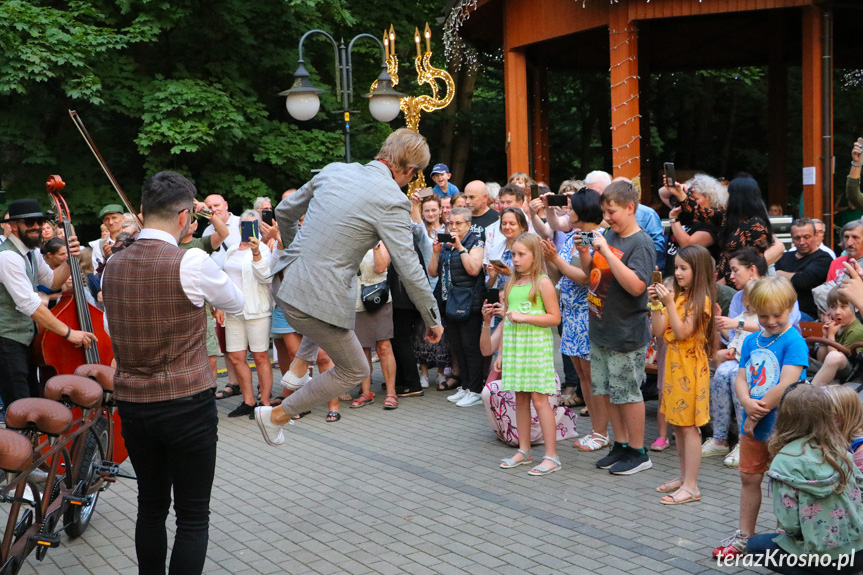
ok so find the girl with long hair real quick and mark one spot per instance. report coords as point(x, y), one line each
point(816, 489)
point(526, 358)
point(684, 318)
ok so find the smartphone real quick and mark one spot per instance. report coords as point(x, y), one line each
point(586, 238)
point(670, 180)
point(493, 295)
point(267, 215)
point(496, 263)
point(656, 277)
point(860, 141)
point(248, 230)
point(445, 238)
point(534, 191)
point(425, 192)
point(557, 200)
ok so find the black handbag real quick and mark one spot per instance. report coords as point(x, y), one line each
point(458, 303)
point(374, 296)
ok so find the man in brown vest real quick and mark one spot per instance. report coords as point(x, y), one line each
point(155, 296)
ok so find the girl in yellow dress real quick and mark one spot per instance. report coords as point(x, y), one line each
point(684, 318)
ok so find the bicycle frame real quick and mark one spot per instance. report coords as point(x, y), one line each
point(38, 526)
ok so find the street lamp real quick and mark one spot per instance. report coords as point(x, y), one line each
point(302, 99)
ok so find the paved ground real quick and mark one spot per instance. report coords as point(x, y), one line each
point(417, 490)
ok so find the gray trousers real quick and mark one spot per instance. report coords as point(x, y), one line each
point(350, 366)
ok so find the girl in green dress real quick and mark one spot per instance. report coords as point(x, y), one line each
point(526, 358)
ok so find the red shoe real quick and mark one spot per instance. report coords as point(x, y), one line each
point(733, 546)
point(363, 400)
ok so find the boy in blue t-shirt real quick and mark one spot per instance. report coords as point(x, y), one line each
point(440, 174)
point(770, 361)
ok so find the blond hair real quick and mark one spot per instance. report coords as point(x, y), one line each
point(848, 411)
point(536, 271)
point(405, 149)
point(772, 294)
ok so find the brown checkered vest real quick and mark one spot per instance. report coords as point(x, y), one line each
point(158, 335)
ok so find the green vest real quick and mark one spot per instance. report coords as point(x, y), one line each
point(15, 325)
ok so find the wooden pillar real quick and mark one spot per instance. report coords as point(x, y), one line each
point(515, 86)
point(625, 124)
point(540, 160)
point(812, 112)
point(777, 96)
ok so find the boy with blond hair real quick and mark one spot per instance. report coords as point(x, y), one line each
point(770, 361)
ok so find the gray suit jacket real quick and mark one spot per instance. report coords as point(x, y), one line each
point(349, 208)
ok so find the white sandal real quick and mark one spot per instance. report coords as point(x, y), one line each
point(543, 469)
point(592, 442)
point(510, 463)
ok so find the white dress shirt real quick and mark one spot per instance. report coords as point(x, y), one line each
point(233, 239)
point(13, 275)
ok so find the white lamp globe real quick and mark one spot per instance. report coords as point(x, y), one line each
point(303, 105)
point(384, 108)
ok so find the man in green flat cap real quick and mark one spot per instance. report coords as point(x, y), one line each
point(112, 216)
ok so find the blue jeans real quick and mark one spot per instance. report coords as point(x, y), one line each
point(759, 544)
point(172, 446)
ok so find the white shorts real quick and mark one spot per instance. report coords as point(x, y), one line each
point(242, 333)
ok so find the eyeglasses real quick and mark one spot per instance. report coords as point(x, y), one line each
point(30, 222)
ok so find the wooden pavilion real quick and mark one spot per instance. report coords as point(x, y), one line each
point(642, 36)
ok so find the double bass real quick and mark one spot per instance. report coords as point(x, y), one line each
point(54, 353)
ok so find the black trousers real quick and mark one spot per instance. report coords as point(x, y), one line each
point(17, 376)
point(405, 324)
point(464, 342)
point(172, 446)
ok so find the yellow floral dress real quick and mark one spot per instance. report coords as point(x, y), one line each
point(686, 389)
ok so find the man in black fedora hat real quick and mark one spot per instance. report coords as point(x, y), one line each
point(22, 269)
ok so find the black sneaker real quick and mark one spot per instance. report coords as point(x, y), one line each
point(242, 409)
point(631, 463)
point(616, 454)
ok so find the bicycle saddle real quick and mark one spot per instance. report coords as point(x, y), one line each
point(15, 451)
point(103, 374)
point(81, 391)
point(45, 415)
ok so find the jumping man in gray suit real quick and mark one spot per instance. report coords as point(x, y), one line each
point(349, 208)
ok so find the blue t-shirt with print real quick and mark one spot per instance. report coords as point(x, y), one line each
point(763, 365)
point(451, 190)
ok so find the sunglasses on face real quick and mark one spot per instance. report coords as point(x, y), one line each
point(30, 222)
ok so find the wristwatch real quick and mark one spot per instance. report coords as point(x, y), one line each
point(672, 220)
point(740, 324)
point(463, 251)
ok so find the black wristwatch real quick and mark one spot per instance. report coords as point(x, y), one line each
point(463, 251)
point(740, 324)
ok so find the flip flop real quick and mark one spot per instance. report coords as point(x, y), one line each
point(333, 416)
point(694, 497)
point(447, 386)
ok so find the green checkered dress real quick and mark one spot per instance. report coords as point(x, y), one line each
point(528, 350)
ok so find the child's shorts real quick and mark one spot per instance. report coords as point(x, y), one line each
point(754, 457)
point(617, 374)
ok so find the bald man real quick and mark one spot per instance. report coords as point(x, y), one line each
point(219, 206)
point(476, 195)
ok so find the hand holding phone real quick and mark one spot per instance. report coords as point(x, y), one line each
point(445, 238)
point(267, 216)
point(558, 200)
point(534, 191)
point(248, 229)
point(493, 295)
point(586, 238)
point(656, 277)
point(670, 178)
point(496, 263)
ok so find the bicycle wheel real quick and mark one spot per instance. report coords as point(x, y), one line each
point(77, 517)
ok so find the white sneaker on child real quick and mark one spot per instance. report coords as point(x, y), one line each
point(711, 448)
point(424, 380)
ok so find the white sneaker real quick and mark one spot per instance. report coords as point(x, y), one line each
point(457, 396)
point(733, 459)
point(711, 448)
point(424, 380)
point(470, 398)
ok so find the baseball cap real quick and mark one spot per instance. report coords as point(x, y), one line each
point(440, 169)
point(111, 209)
